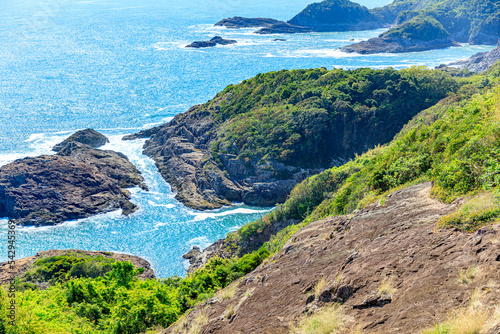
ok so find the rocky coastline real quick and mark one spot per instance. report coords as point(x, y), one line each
point(77, 182)
point(480, 62)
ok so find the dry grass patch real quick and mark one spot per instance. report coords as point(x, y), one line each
point(467, 275)
point(471, 320)
point(327, 320)
point(387, 287)
point(185, 326)
point(318, 287)
point(228, 292)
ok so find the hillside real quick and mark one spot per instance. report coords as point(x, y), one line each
point(254, 141)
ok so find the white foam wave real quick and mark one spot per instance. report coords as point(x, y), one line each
point(200, 216)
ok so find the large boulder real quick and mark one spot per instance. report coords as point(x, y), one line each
point(88, 137)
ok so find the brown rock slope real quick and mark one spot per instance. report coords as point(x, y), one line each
point(397, 242)
point(77, 182)
point(24, 264)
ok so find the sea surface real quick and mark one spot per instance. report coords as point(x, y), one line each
point(120, 66)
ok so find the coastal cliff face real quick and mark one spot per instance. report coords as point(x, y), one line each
point(387, 264)
point(255, 141)
point(77, 182)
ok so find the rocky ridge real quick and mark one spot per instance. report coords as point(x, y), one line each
point(354, 257)
point(88, 137)
point(77, 182)
point(183, 155)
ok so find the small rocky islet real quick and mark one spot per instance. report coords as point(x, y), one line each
point(77, 182)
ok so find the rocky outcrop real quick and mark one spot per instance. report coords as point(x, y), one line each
point(25, 264)
point(77, 182)
point(217, 40)
point(182, 150)
point(239, 22)
point(480, 62)
point(283, 28)
point(88, 137)
point(337, 15)
point(419, 34)
point(396, 45)
point(389, 265)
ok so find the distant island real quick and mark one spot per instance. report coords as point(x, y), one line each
point(414, 25)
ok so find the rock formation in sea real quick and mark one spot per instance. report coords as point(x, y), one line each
point(217, 40)
point(77, 182)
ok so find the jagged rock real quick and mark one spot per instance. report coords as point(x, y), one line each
point(193, 254)
point(77, 182)
point(211, 43)
point(88, 137)
point(239, 22)
point(397, 241)
point(480, 62)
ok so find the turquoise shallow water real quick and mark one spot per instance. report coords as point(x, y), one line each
point(120, 66)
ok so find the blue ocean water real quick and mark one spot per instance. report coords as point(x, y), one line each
point(120, 66)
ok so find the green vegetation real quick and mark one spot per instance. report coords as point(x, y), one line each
point(306, 118)
point(421, 28)
point(115, 301)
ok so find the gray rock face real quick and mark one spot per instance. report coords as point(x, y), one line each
point(211, 43)
point(479, 62)
point(183, 155)
point(77, 182)
point(239, 22)
point(393, 45)
point(88, 137)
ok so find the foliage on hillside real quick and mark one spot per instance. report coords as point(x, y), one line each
point(116, 301)
point(310, 117)
point(422, 28)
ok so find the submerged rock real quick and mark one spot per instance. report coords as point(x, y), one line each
point(78, 182)
point(211, 43)
point(88, 137)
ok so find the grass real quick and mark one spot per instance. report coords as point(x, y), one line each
point(227, 293)
point(477, 211)
point(327, 320)
point(318, 287)
point(467, 275)
point(387, 287)
point(469, 320)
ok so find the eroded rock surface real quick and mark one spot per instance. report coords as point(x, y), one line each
point(396, 242)
point(77, 182)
